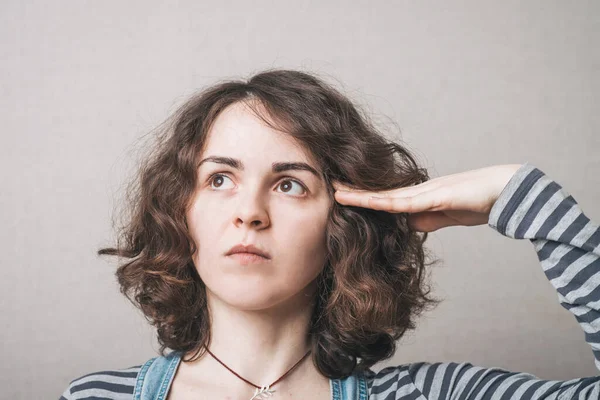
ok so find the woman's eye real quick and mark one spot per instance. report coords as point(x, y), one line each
point(217, 178)
point(286, 184)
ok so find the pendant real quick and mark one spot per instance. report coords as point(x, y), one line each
point(263, 392)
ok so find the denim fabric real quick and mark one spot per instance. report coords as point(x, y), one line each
point(353, 387)
point(155, 377)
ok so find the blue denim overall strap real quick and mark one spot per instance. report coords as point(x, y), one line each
point(353, 387)
point(155, 377)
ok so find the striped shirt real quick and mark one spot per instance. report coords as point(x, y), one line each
point(531, 206)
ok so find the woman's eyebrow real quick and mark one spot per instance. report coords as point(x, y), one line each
point(276, 166)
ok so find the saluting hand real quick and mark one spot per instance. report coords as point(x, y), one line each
point(465, 198)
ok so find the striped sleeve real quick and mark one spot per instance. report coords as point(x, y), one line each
point(112, 384)
point(531, 206)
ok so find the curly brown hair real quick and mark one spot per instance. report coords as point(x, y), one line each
point(373, 285)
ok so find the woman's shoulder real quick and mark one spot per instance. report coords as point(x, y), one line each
point(390, 379)
point(106, 384)
point(411, 379)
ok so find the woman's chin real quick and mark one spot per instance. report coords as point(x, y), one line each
point(253, 304)
point(248, 298)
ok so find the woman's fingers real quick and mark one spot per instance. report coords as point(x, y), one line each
point(405, 191)
point(411, 199)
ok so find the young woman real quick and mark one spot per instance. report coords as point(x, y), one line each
point(275, 239)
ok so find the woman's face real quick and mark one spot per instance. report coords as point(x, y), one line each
point(283, 212)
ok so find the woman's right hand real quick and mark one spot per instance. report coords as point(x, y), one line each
point(465, 198)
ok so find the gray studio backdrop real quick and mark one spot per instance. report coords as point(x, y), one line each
point(469, 84)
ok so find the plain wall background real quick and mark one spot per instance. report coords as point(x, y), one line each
point(469, 83)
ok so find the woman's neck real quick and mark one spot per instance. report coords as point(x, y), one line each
point(259, 345)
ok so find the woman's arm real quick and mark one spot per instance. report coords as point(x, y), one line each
point(530, 206)
point(533, 206)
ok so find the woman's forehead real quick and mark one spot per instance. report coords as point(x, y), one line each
point(239, 134)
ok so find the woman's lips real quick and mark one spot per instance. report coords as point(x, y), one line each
point(248, 258)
